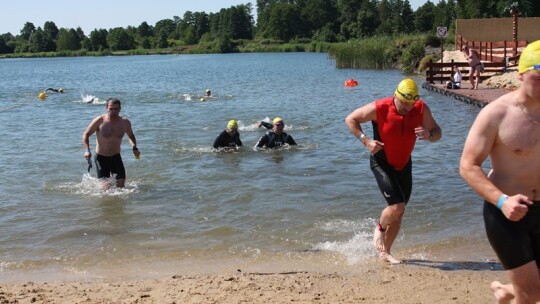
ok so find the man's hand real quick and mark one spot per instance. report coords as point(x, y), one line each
point(516, 207)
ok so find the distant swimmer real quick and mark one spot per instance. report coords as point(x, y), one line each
point(276, 137)
point(229, 138)
point(60, 90)
point(89, 98)
point(206, 96)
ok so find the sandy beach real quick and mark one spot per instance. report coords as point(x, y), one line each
point(422, 282)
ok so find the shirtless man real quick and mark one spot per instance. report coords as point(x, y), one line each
point(508, 131)
point(110, 129)
point(475, 64)
point(398, 121)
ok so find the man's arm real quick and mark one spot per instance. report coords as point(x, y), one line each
point(262, 141)
point(238, 141)
point(359, 116)
point(429, 123)
point(476, 150)
point(132, 139)
point(265, 124)
point(290, 140)
point(91, 129)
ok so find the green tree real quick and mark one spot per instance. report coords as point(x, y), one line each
point(37, 41)
point(27, 30)
point(161, 39)
point(98, 40)
point(368, 19)
point(145, 43)
point(190, 36)
point(50, 32)
point(167, 25)
point(6, 43)
point(145, 30)
point(317, 14)
point(283, 21)
point(424, 17)
point(201, 24)
point(348, 12)
point(68, 40)
point(119, 40)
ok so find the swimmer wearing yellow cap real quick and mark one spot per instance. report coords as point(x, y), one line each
point(276, 138)
point(399, 121)
point(506, 131)
point(229, 138)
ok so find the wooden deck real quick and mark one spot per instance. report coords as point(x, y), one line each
point(480, 97)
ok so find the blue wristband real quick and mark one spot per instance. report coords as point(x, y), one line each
point(501, 200)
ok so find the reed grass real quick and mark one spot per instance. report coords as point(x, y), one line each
point(368, 53)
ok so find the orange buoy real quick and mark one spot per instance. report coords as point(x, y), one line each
point(351, 83)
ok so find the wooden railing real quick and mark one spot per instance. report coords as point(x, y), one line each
point(441, 72)
point(498, 51)
point(496, 57)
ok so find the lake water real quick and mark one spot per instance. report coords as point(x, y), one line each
point(188, 209)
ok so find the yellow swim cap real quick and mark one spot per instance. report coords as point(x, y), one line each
point(407, 91)
point(277, 120)
point(232, 124)
point(42, 95)
point(530, 58)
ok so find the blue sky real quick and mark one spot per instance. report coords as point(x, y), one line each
point(106, 14)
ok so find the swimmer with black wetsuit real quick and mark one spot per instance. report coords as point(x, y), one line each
point(60, 90)
point(228, 138)
point(276, 138)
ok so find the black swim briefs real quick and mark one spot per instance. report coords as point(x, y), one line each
point(395, 186)
point(515, 243)
point(105, 165)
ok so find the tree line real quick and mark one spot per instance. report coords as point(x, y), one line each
point(277, 21)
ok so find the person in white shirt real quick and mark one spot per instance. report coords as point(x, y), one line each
point(455, 80)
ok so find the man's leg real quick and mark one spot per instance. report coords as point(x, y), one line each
point(390, 222)
point(526, 284)
point(120, 182)
point(477, 77)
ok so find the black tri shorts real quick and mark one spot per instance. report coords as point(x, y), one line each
point(515, 243)
point(105, 165)
point(395, 186)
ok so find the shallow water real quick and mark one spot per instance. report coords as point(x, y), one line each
point(188, 208)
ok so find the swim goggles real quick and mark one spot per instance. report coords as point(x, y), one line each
point(534, 67)
point(409, 97)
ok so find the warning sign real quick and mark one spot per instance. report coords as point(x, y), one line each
point(441, 31)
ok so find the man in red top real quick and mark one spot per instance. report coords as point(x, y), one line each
point(397, 122)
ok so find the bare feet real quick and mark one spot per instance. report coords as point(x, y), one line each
point(388, 257)
point(501, 292)
point(378, 239)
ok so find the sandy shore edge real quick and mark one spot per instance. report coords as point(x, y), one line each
point(414, 282)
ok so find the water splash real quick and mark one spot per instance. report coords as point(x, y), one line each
point(94, 187)
point(358, 248)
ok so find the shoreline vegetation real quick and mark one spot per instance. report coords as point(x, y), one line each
point(410, 53)
point(407, 52)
